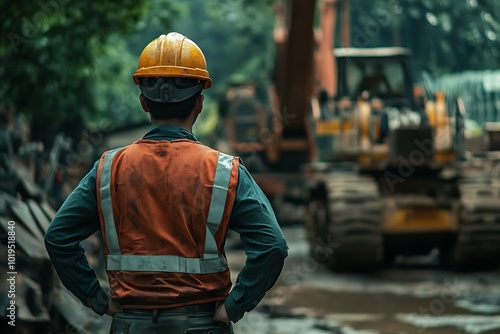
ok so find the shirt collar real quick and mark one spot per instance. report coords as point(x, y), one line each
point(168, 132)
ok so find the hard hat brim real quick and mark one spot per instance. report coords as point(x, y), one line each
point(173, 71)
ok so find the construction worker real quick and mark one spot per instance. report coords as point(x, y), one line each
point(164, 205)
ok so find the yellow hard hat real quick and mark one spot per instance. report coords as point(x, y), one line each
point(173, 55)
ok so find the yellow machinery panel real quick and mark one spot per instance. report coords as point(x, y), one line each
point(448, 157)
point(420, 220)
point(327, 127)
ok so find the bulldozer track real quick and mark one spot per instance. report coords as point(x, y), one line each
point(348, 217)
point(477, 244)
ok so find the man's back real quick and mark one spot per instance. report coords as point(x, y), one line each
point(163, 202)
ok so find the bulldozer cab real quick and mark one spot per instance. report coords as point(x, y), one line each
point(382, 73)
point(374, 110)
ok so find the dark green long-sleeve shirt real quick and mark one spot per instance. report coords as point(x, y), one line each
point(252, 217)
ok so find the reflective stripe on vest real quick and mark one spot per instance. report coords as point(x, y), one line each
point(211, 262)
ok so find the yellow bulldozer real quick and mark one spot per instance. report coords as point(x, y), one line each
point(388, 180)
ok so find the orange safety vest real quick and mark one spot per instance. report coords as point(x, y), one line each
point(164, 209)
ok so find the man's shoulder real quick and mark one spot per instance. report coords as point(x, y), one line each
point(215, 151)
point(108, 151)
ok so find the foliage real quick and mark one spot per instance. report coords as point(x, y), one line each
point(51, 53)
point(235, 36)
point(445, 35)
point(65, 62)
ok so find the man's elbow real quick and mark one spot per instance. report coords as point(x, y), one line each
point(284, 248)
point(49, 239)
point(280, 249)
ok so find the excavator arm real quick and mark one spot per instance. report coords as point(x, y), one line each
point(294, 80)
point(305, 65)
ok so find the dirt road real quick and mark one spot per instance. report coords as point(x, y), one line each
point(414, 297)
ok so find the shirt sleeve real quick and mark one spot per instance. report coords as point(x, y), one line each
point(76, 220)
point(264, 244)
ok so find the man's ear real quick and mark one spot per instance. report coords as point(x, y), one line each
point(199, 104)
point(144, 106)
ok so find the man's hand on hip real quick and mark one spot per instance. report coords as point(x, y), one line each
point(113, 308)
point(220, 313)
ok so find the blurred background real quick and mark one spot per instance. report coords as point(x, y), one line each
point(380, 158)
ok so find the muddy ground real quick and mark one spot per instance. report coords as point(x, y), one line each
point(412, 297)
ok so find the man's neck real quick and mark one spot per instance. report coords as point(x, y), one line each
point(186, 124)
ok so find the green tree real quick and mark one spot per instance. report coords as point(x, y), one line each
point(236, 37)
point(52, 53)
point(445, 35)
point(67, 61)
